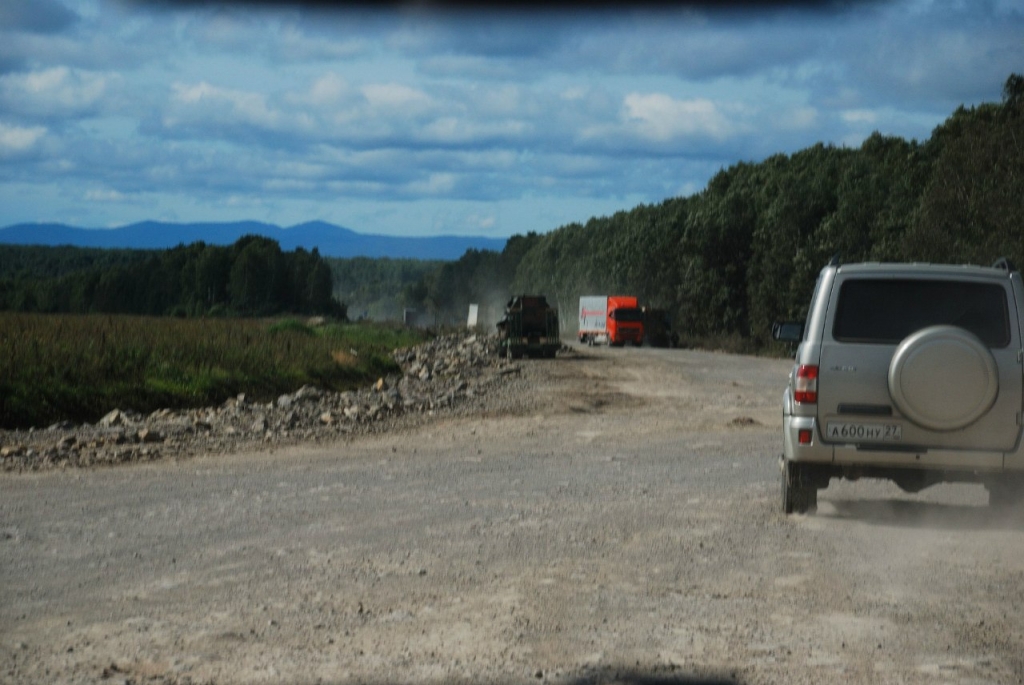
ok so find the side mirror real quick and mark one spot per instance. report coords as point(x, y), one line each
point(788, 331)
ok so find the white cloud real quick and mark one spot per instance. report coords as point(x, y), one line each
point(54, 91)
point(244, 202)
point(859, 117)
point(507, 101)
point(661, 118)
point(396, 98)
point(207, 102)
point(434, 184)
point(574, 93)
point(476, 223)
point(328, 89)
point(18, 140)
point(468, 131)
point(796, 119)
point(104, 196)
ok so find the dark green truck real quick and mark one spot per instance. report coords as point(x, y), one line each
point(529, 328)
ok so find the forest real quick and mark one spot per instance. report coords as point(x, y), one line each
point(725, 262)
point(252, 277)
point(746, 251)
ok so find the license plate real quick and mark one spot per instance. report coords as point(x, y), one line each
point(864, 432)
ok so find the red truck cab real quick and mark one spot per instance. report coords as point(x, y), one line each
point(625, 321)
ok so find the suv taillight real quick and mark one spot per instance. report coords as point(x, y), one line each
point(806, 389)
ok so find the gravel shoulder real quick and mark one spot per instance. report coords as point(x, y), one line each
point(610, 516)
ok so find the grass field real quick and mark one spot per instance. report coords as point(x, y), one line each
point(67, 367)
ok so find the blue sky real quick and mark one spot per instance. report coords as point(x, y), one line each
point(407, 120)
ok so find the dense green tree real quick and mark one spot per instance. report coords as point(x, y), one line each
point(972, 205)
point(1013, 92)
point(212, 273)
point(251, 277)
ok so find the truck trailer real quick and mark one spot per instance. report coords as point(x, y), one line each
point(529, 328)
point(612, 319)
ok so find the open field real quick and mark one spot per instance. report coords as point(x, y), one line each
point(77, 368)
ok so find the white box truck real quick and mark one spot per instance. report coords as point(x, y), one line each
point(612, 319)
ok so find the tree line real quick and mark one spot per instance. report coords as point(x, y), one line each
point(252, 277)
point(729, 260)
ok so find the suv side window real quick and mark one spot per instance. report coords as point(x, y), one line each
point(885, 311)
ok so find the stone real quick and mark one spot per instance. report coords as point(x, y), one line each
point(148, 435)
point(115, 417)
point(307, 393)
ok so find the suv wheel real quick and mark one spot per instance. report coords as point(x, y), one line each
point(1006, 495)
point(797, 497)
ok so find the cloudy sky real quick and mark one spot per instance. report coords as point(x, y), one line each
point(419, 120)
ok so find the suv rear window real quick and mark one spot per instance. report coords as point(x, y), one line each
point(887, 311)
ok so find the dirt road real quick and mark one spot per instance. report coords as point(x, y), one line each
point(625, 530)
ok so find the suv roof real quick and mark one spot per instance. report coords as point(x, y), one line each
point(924, 268)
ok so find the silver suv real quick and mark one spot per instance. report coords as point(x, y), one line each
point(908, 372)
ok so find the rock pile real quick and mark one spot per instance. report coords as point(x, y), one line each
point(449, 374)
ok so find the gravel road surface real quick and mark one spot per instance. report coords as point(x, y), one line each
point(620, 524)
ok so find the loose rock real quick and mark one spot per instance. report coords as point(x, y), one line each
point(456, 373)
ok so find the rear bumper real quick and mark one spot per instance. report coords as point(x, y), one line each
point(539, 343)
point(849, 457)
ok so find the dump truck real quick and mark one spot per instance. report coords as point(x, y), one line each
point(529, 328)
point(612, 319)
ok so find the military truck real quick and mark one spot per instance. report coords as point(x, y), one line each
point(529, 328)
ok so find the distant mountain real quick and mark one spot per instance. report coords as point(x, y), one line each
point(330, 240)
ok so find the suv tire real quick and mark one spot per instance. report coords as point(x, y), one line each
point(797, 497)
point(1005, 495)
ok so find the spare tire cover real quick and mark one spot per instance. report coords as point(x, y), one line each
point(943, 378)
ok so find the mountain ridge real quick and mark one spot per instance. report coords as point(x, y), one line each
point(329, 239)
